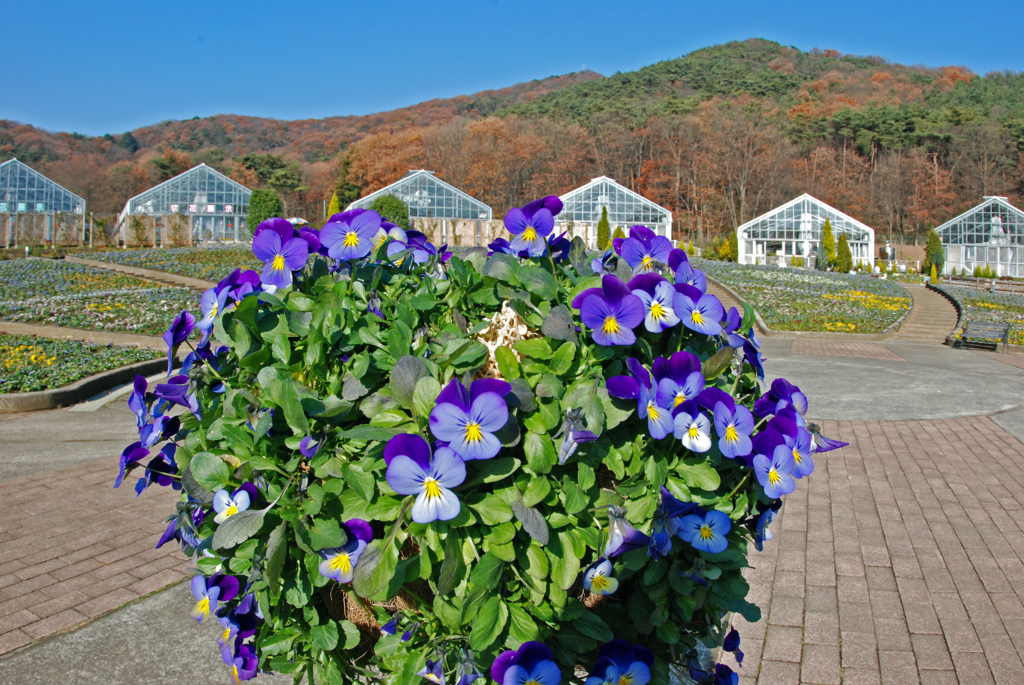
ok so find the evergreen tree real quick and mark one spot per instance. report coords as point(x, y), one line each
point(933, 251)
point(934, 277)
point(392, 209)
point(734, 247)
point(828, 243)
point(334, 207)
point(603, 231)
point(264, 203)
point(347, 191)
point(844, 258)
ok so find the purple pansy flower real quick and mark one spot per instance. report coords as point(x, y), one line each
point(176, 391)
point(602, 265)
point(598, 578)
point(574, 431)
point(762, 531)
point(699, 312)
point(350, 235)
point(130, 458)
point(622, 536)
point(643, 248)
point(679, 378)
point(823, 444)
point(280, 252)
point(309, 446)
point(533, 663)
point(532, 224)
point(622, 663)
point(245, 663)
point(666, 523)
point(209, 591)
point(433, 671)
point(802, 446)
point(775, 474)
point(725, 676)
point(692, 427)
point(732, 644)
point(611, 312)
point(706, 533)
point(227, 505)
point(638, 386)
point(558, 247)
point(339, 563)
point(211, 304)
point(657, 296)
point(687, 275)
point(137, 401)
point(734, 427)
point(160, 470)
point(181, 328)
point(413, 471)
point(467, 421)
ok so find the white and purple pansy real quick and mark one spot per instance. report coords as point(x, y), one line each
point(598, 578)
point(658, 297)
point(339, 563)
point(466, 420)
point(679, 378)
point(638, 385)
point(643, 249)
point(706, 533)
point(692, 427)
point(412, 470)
point(622, 536)
point(209, 591)
point(532, 664)
point(699, 312)
point(227, 505)
point(532, 224)
point(773, 463)
point(622, 663)
point(733, 425)
point(611, 312)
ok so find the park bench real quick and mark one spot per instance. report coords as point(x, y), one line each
point(986, 332)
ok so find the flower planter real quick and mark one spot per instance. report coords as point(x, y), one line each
point(516, 463)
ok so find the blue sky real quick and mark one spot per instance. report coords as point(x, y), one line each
point(106, 67)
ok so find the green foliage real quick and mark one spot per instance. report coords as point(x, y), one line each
point(392, 209)
point(334, 207)
point(844, 258)
point(604, 230)
point(508, 568)
point(828, 243)
point(933, 253)
point(934, 275)
point(274, 171)
point(127, 141)
point(734, 247)
point(264, 203)
point(977, 271)
point(689, 249)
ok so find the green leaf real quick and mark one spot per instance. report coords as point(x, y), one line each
point(508, 365)
point(718, 363)
point(502, 267)
point(591, 625)
point(423, 302)
point(283, 392)
point(192, 486)
point(487, 572)
point(359, 480)
point(696, 473)
point(326, 533)
point(424, 396)
point(277, 552)
point(550, 386)
point(407, 371)
point(451, 564)
point(492, 470)
point(565, 567)
point(561, 360)
point(325, 636)
point(559, 325)
point(488, 624)
point(279, 642)
point(375, 568)
point(238, 528)
point(532, 521)
point(491, 509)
point(367, 433)
point(522, 627)
point(210, 471)
point(575, 499)
point(352, 635)
point(536, 491)
point(539, 282)
point(537, 348)
point(540, 453)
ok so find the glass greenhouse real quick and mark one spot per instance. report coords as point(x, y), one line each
point(625, 208)
point(990, 234)
point(34, 209)
point(203, 202)
point(428, 197)
point(794, 230)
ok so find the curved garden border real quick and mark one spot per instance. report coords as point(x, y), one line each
point(148, 274)
point(765, 330)
point(79, 391)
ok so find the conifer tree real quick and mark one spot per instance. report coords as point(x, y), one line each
point(334, 207)
point(844, 260)
point(603, 231)
point(828, 243)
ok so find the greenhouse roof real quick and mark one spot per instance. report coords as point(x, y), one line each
point(625, 207)
point(200, 191)
point(23, 189)
point(427, 196)
point(994, 222)
point(803, 218)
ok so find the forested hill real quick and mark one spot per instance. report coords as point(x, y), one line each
point(717, 136)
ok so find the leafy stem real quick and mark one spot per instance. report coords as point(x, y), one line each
point(738, 486)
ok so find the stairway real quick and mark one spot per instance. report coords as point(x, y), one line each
point(932, 318)
point(725, 298)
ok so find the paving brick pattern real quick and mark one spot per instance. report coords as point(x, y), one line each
point(72, 548)
point(898, 561)
point(843, 348)
point(1011, 358)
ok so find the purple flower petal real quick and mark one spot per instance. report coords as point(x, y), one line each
point(454, 393)
point(482, 385)
point(489, 411)
point(623, 387)
point(409, 445)
point(267, 245)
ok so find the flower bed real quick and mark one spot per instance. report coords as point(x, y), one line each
point(62, 294)
point(204, 263)
point(397, 463)
point(981, 305)
point(29, 363)
point(801, 300)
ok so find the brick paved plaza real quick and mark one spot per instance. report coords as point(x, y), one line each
point(898, 561)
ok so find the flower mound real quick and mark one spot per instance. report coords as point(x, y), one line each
point(367, 488)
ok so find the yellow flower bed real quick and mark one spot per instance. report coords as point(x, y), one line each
point(869, 300)
point(18, 357)
point(840, 327)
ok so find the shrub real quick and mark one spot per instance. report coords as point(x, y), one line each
point(828, 242)
point(327, 532)
point(844, 260)
point(393, 209)
point(604, 231)
point(689, 249)
point(977, 271)
point(933, 275)
point(263, 204)
point(334, 207)
point(933, 251)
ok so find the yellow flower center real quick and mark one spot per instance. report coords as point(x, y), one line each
point(213, 312)
point(694, 432)
point(730, 434)
point(626, 679)
point(697, 317)
point(431, 487)
point(657, 310)
point(652, 411)
point(598, 584)
point(351, 239)
point(473, 433)
point(705, 532)
point(203, 607)
point(773, 476)
point(610, 326)
point(645, 262)
point(680, 398)
point(278, 263)
point(238, 680)
point(530, 234)
point(226, 635)
point(796, 455)
point(342, 563)
point(230, 511)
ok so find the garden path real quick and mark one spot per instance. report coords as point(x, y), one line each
point(932, 318)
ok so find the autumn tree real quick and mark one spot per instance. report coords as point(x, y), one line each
point(345, 190)
point(171, 164)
